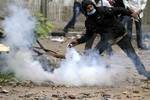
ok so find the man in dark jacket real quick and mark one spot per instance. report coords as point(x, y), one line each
point(103, 20)
point(89, 43)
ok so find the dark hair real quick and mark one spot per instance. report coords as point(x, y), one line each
point(85, 3)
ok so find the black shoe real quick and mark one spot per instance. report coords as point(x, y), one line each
point(65, 30)
point(64, 34)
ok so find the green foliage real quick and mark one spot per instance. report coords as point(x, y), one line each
point(6, 77)
point(43, 26)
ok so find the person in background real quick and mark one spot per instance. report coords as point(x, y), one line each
point(77, 10)
point(102, 20)
point(137, 6)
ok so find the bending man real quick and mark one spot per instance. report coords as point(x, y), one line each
point(102, 20)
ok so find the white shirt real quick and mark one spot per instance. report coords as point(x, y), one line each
point(136, 5)
point(104, 3)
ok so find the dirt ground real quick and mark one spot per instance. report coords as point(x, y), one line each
point(137, 88)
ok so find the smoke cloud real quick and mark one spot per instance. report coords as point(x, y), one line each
point(19, 27)
point(76, 70)
point(89, 70)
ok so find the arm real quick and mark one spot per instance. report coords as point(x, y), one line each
point(111, 11)
point(84, 38)
point(114, 11)
point(121, 10)
point(89, 31)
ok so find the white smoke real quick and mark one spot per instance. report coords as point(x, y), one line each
point(19, 27)
point(88, 70)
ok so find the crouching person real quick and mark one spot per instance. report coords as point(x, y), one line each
point(102, 20)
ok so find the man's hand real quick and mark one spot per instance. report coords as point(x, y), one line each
point(73, 43)
point(135, 14)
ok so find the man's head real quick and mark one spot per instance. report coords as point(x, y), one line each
point(88, 7)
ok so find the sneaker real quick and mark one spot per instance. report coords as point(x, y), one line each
point(65, 30)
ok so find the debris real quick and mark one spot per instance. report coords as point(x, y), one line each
point(50, 52)
point(28, 95)
point(128, 96)
point(106, 96)
point(86, 94)
point(55, 95)
point(125, 93)
point(57, 39)
point(147, 82)
point(57, 33)
point(71, 97)
point(42, 98)
point(4, 48)
point(136, 91)
point(3, 90)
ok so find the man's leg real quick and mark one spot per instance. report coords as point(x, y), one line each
point(71, 23)
point(109, 51)
point(102, 46)
point(127, 47)
point(129, 27)
point(123, 20)
point(90, 42)
point(139, 33)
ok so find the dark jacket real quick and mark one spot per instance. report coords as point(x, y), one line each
point(119, 3)
point(104, 22)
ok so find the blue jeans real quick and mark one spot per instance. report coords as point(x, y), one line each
point(127, 47)
point(139, 34)
point(76, 12)
point(123, 20)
